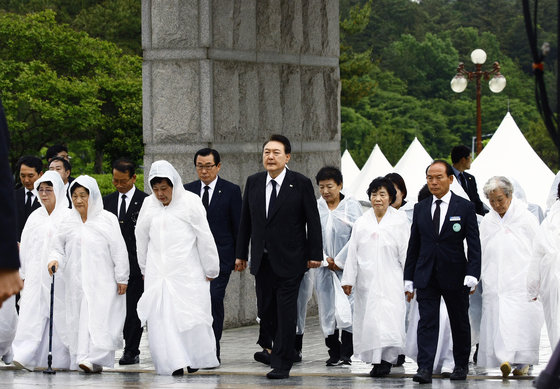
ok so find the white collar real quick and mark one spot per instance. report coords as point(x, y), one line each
point(212, 185)
point(446, 198)
point(279, 178)
point(128, 194)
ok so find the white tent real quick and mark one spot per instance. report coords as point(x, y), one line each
point(412, 167)
point(509, 154)
point(375, 166)
point(349, 169)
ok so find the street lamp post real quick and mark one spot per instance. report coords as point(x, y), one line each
point(497, 84)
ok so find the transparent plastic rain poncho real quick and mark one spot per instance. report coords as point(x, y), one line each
point(93, 259)
point(543, 281)
point(36, 243)
point(336, 227)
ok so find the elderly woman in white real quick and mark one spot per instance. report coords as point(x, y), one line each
point(543, 282)
point(32, 336)
point(90, 251)
point(178, 258)
point(511, 325)
point(374, 271)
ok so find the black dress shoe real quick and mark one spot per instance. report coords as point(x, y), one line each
point(423, 376)
point(129, 359)
point(400, 361)
point(190, 370)
point(277, 374)
point(459, 374)
point(333, 361)
point(380, 369)
point(262, 357)
point(345, 361)
point(178, 372)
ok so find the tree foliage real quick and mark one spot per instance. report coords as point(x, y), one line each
point(59, 85)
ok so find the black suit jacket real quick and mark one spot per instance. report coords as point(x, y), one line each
point(223, 214)
point(21, 217)
point(110, 203)
point(472, 192)
point(9, 254)
point(291, 233)
point(443, 255)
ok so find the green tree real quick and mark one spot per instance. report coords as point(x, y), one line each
point(59, 85)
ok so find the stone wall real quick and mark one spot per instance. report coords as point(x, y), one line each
point(226, 74)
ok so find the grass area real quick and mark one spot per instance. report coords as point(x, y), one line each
point(105, 182)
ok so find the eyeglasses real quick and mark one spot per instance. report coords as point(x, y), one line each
point(47, 191)
point(204, 167)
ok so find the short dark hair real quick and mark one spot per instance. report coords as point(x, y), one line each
point(54, 150)
point(65, 163)
point(31, 161)
point(282, 139)
point(382, 182)
point(76, 186)
point(397, 180)
point(206, 152)
point(448, 167)
point(424, 193)
point(49, 183)
point(125, 165)
point(459, 152)
point(329, 173)
point(159, 180)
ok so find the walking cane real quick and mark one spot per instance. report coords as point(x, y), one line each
point(49, 361)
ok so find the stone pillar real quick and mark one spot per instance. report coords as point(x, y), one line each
point(228, 73)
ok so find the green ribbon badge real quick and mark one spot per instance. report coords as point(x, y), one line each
point(456, 227)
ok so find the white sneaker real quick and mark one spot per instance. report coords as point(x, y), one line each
point(20, 365)
point(89, 367)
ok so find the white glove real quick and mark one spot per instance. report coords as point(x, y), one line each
point(471, 282)
point(408, 286)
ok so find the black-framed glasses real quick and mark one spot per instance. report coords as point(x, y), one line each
point(204, 167)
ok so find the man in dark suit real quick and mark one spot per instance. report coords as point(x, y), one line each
point(222, 200)
point(10, 281)
point(461, 159)
point(62, 167)
point(436, 266)
point(27, 200)
point(280, 218)
point(125, 203)
point(60, 151)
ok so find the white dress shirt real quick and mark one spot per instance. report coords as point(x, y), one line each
point(443, 207)
point(279, 179)
point(33, 197)
point(128, 199)
point(211, 185)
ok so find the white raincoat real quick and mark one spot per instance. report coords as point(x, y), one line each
point(336, 227)
point(93, 259)
point(176, 252)
point(32, 336)
point(8, 324)
point(374, 267)
point(544, 272)
point(511, 325)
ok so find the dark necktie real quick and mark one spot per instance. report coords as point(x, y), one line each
point(272, 197)
point(435, 220)
point(205, 199)
point(28, 203)
point(122, 211)
point(463, 181)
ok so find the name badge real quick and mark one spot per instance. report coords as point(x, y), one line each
point(455, 219)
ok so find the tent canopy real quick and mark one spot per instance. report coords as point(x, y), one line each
point(412, 167)
point(349, 169)
point(375, 166)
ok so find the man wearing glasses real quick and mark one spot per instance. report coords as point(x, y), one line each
point(125, 203)
point(222, 200)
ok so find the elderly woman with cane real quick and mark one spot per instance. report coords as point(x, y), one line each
point(32, 336)
point(90, 250)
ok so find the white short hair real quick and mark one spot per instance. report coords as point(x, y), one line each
point(498, 182)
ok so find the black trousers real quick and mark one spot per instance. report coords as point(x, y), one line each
point(278, 312)
point(457, 302)
point(217, 293)
point(132, 331)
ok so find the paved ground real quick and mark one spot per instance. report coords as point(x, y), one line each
point(239, 370)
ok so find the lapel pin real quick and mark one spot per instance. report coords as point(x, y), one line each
point(291, 186)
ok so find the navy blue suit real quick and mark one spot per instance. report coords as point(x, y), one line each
point(437, 264)
point(291, 236)
point(21, 215)
point(223, 215)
